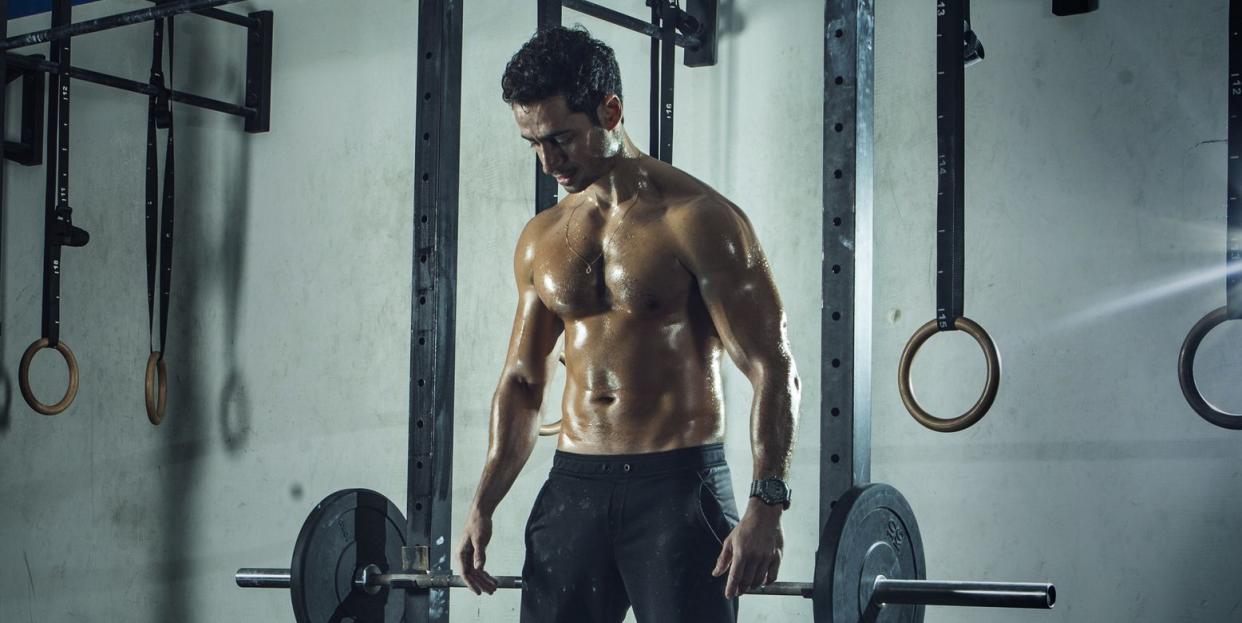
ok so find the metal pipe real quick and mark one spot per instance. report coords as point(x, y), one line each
point(224, 16)
point(133, 86)
point(262, 578)
point(625, 21)
point(975, 594)
point(166, 9)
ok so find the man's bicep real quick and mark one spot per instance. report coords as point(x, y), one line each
point(535, 327)
point(534, 335)
point(736, 283)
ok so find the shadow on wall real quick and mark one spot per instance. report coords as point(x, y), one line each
point(199, 265)
point(234, 405)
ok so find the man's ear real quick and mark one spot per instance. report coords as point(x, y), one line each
point(610, 112)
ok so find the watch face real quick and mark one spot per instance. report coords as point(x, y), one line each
point(774, 490)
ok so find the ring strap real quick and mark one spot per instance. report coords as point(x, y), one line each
point(1233, 233)
point(159, 237)
point(950, 142)
point(58, 223)
point(159, 221)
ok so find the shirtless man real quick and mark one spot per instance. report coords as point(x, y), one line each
point(650, 274)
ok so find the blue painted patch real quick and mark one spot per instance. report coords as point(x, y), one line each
point(22, 8)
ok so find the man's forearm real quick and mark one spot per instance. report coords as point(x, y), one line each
point(514, 429)
point(774, 419)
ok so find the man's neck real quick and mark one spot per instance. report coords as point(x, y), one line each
point(625, 179)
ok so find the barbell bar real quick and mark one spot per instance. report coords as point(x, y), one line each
point(351, 559)
point(884, 591)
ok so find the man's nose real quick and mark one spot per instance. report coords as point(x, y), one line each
point(551, 156)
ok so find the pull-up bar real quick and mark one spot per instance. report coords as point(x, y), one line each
point(159, 11)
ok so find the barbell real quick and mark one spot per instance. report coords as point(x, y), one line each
point(351, 561)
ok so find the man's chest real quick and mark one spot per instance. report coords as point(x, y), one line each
point(635, 271)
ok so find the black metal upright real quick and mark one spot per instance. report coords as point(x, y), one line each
point(433, 313)
point(845, 375)
point(663, 114)
point(549, 14)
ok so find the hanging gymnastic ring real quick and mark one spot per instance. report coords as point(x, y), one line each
point(1186, 372)
point(23, 377)
point(156, 388)
point(990, 388)
point(550, 429)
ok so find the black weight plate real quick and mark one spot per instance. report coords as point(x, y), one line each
point(871, 531)
point(347, 530)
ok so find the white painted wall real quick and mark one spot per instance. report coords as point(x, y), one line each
point(1088, 189)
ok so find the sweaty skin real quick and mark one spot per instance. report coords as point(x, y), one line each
point(649, 274)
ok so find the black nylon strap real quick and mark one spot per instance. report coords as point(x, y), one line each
point(159, 221)
point(1233, 232)
point(58, 225)
point(950, 141)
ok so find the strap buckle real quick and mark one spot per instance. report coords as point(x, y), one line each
point(64, 233)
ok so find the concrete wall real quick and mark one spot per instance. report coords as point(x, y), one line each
point(1094, 205)
point(1095, 202)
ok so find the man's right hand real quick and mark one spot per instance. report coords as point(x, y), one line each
point(472, 554)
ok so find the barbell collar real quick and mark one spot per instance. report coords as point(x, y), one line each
point(262, 578)
point(971, 594)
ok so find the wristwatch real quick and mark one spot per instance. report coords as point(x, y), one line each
point(771, 491)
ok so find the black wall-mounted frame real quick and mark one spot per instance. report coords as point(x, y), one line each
point(28, 149)
point(256, 111)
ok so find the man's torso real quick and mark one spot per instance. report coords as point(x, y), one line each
point(642, 357)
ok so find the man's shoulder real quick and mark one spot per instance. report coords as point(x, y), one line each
point(687, 197)
point(541, 222)
point(702, 208)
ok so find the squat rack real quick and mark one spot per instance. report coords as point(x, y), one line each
point(346, 553)
point(845, 379)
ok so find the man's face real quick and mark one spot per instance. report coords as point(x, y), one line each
point(569, 146)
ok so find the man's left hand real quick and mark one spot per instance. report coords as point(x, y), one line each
point(752, 551)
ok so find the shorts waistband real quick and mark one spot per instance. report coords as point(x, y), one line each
point(697, 457)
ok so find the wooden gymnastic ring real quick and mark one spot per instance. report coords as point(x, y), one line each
point(156, 390)
point(550, 429)
point(23, 377)
point(1186, 372)
point(990, 388)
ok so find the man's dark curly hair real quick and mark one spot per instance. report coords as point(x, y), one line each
point(566, 62)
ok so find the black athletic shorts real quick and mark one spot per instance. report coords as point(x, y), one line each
point(608, 532)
